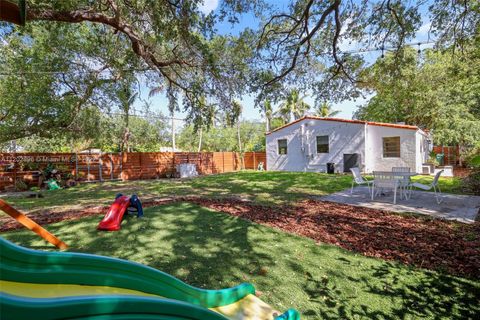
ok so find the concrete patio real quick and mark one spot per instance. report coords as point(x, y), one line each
point(462, 208)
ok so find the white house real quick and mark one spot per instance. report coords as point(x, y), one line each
point(309, 143)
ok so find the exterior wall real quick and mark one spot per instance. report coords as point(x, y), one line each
point(344, 138)
point(408, 149)
point(422, 148)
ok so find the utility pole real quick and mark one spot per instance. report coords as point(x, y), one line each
point(173, 133)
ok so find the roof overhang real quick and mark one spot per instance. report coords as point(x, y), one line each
point(371, 123)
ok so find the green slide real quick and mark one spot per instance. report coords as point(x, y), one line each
point(65, 285)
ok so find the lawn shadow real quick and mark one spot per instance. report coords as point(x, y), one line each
point(199, 246)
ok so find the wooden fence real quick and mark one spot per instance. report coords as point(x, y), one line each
point(451, 154)
point(125, 166)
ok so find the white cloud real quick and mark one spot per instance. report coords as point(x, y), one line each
point(424, 29)
point(208, 6)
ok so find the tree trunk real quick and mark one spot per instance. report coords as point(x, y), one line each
point(240, 145)
point(200, 134)
point(126, 133)
point(173, 133)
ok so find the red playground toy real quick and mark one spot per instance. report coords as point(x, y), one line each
point(114, 216)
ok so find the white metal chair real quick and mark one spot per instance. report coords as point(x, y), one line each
point(404, 180)
point(427, 187)
point(358, 179)
point(384, 181)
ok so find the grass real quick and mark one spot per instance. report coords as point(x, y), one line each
point(270, 188)
point(215, 250)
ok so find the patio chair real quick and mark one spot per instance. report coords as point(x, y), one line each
point(384, 181)
point(434, 185)
point(358, 179)
point(404, 181)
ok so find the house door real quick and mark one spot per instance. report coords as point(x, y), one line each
point(350, 160)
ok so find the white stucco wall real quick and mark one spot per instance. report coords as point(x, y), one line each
point(423, 149)
point(374, 149)
point(344, 138)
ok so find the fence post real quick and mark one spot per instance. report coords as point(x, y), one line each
point(121, 165)
point(223, 162)
point(254, 161)
point(15, 171)
point(76, 166)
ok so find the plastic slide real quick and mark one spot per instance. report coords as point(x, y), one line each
point(114, 216)
point(64, 285)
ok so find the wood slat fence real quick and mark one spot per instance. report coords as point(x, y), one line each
point(451, 154)
point(124, 166)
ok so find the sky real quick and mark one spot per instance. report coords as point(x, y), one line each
point(346, 108)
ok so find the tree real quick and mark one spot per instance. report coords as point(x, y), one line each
point(293, 107)
point(267, 108)
point(224, 138)
point(325, 110)
point(311, 32)
point(438, 91)
point(127, 98)
point(95, 130)
point(43, 89)
point(237, 112)
point(170, 38)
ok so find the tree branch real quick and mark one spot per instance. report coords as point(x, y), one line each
point(139, 47)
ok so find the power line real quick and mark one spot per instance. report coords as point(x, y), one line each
point(145, 116)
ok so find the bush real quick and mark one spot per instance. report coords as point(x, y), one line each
point(28, 166)
point(21, 185)
point(474, 161)
point(471, 183)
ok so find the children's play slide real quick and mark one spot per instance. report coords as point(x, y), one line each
point(114, 216)
point(65, 285)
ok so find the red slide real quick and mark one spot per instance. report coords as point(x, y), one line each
point(113, 218)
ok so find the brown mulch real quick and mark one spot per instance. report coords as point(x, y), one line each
point(428, 243)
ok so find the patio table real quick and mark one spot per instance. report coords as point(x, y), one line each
point(392, 179)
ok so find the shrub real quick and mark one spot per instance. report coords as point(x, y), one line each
point(28, 166)
point(21, 185)
point(471, 183)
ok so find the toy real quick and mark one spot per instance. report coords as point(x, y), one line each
point(66, 285)
point(32, 225)
point(116, 212)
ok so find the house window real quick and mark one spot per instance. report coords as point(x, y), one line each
point(391, 147)
point(322, 144)
point(282, 146)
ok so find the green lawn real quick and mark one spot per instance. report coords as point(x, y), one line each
point(215, 250)
point(271, 188)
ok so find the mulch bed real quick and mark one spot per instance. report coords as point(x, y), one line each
point(427, 243)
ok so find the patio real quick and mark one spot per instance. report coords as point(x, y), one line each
point(462, 208)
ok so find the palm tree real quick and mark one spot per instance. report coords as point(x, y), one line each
point(294, 107)
point(267, 108)
point(126, 99)
point(232, 118)
point(324, 110)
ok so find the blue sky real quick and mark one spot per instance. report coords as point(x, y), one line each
point(346, 108)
